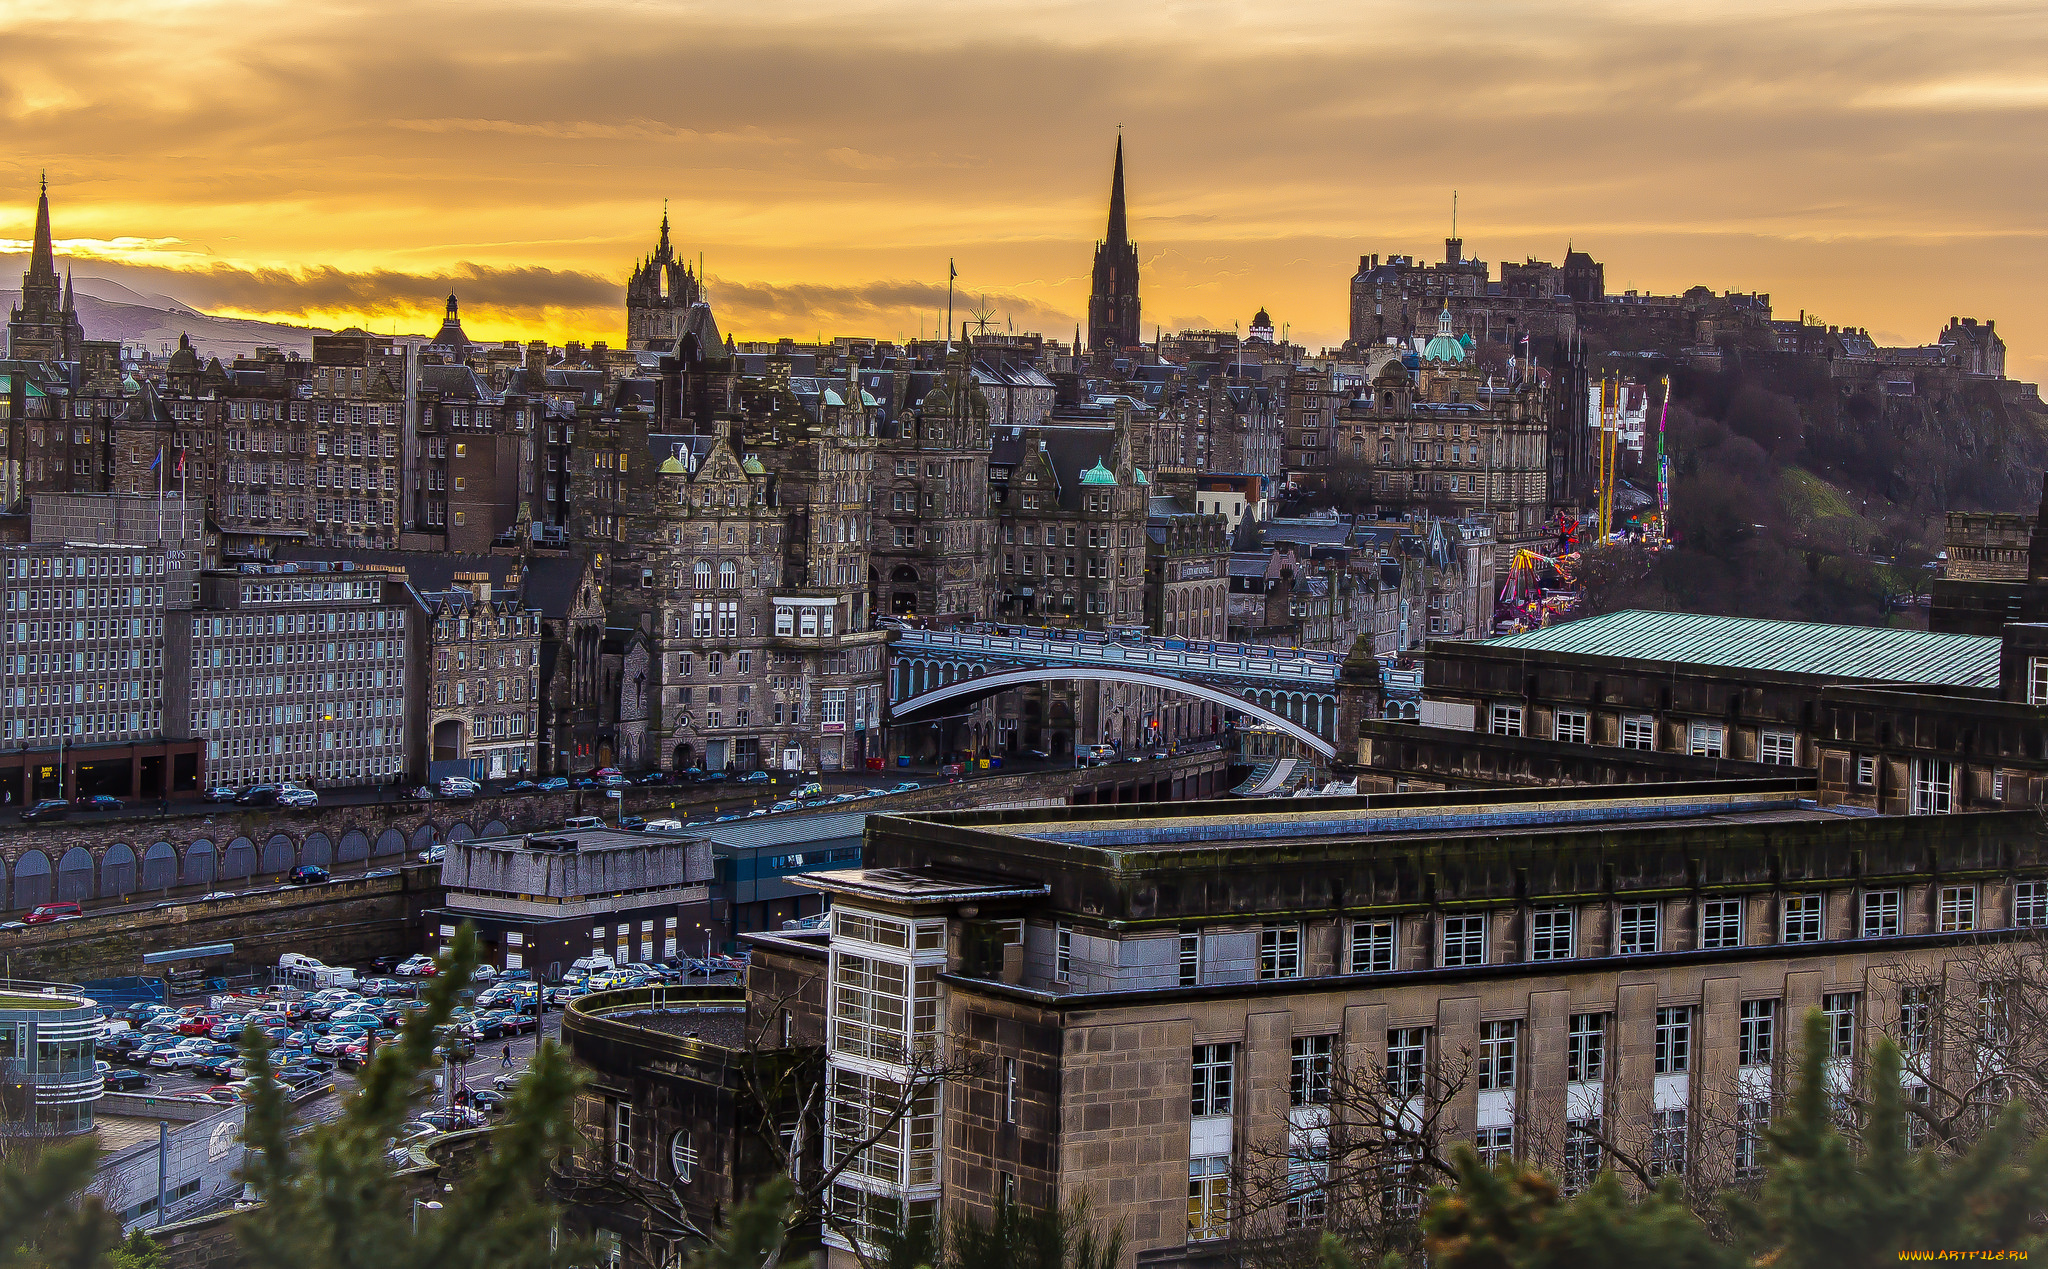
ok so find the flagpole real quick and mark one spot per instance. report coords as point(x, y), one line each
point(159, 493)
point(952, 272)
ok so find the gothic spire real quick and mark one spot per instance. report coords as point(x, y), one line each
point(68, 305)
point(1116, 196)
point(42, 261)
point(664, 253)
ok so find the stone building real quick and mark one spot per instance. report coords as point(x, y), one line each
point(483, 686)
point(1187, 572)
point(1535, 974)
point(1113, 313)
point(307, 673)
point(44, 325)
point(661, 292)
point(932, 527)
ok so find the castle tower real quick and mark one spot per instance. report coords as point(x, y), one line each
point(659, 295)
point(1113, 300)
point(44, 326)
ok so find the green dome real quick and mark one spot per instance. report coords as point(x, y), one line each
point(1138, 476)
point(128, 384)
point(673, 466)
point(1098, 475)
point(1443, 348)
point(1467, 340)
point(752, 466)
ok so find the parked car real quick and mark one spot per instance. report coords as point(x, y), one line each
point(99, 802)
point(48, 912)
point(811, 790)
point(583, 821)
point(487, 1100)
point(459, 787)
point(717, 777)
point(755, 777)
point(523, 786)
point(690, 775)
point(415, 967)
point(554, 784)
point(217, 894)
point(434, 854)
point(787, 805)
point(125, 1081)
point(308, 875)
point(655, 777)
point(299, 798)
point(220, 793)
point(258, 795)
point(906, 786)
point(662, 826)
point(47, 809)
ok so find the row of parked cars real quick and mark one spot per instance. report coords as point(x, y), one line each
point(285, 793)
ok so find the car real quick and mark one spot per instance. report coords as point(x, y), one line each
point(422, 792)
point(690, 775)
point(1160, 754)
point(99, 802)
point(47, 809)
point(613, 781)
point(298, 798)
point(125, 1081)
point(307, 875)
point(603, 772)
point(523, 786)
point(459, 790)
point(47, 912)
point(844, 797)
point(453, 1119)
point(554, 784)
point(220, 793)
point(716, 777)
point(654, 777)
point(487, 1100)
point(632, 823)
point(811, 790)
point(484, 973)
point(434, 854)
point(662, 826)
point(416, 967)
point(787, 805)
point(258, 795)
point(1039, 754)
point(906, 786)
point(755, 777)
point(583, 821)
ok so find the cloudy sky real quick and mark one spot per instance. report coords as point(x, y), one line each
point(1879, 164)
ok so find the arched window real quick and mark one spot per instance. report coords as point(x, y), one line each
point(728, 575)
point(703, 575)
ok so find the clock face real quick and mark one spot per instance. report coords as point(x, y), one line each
point(222, 1140)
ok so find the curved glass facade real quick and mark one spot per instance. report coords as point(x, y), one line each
point(49, 1078)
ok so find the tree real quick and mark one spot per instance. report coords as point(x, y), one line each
point(49, 1222)
point(330, 1199)
point(1828, 1197)
point(1056, 1238)
point(754, 1234)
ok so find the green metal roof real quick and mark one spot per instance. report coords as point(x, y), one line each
point(1870, 653)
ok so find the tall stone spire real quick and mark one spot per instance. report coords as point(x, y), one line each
point(1113, 297)
point(42, 260)
point(1118, 232)
point(69, 305)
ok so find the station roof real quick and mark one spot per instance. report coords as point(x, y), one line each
point(1870, 653)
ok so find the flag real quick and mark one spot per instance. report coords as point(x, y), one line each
point(159, 461)
point(951, 272)
point(181, 464)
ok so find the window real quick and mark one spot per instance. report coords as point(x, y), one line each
point(2037, 680)
point(1706, 740)
point(1190, 958)
point(1309, 1076)
point(1637, 929)
point(1009, 1090)
point(1372, 947)
point(1063, 954)
point(1550, 934)
point(1721, 923)
point(1667, 1143)
point(1958, 909)
point(1934, 784)
point(870, 1007)
point(1866, 770)
point(1495, 1146)
point(1582, 1159)
point(1280, 951)
point(1840, 1007)
point(1752, 1118)
point(1208, 1197)
point(1496, 1055)
point(2030, 904)
point(1638, 731)
point(1776, 747)
point(1674, 1040)
point(1570, 726)
point(682, 1156)
point(1757, 1033)
point(1585, 1048)
point(1464, 940)
point(1506, 720)
point(1407, 1061)
point(1802, 919)
point(1880, 913)
point(1215, 1066)
point(1916, 1014)
point(622, 1135)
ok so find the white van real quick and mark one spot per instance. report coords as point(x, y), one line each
point(583, 821)
point(592, 965)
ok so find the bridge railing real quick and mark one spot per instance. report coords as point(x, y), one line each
point(1240, 659)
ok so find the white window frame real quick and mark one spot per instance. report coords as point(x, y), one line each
point(1756, 1036)
point(1571, 726)
point(2037, 680)
point(1497, 1054)
point(1777, 748)
point(1553, 934)
point(1280, 951)
point(1934, 786)
point(1883, 913)
point(1504, 720)
point(2030, 904)
point(1471, 935)
point(1374, 949)
point(1706, 740)
point(1672, 1050)
point(1630, 927)
point(1802, 918)
point(1639, 731)
point(1715, 915)
point(1957, 911)
point(1866, 770)
point(1585, 1052)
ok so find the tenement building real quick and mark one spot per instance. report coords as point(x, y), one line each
point(1229, 1030)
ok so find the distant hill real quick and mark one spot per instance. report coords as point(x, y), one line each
point(109, 310)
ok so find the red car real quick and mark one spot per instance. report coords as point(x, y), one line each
point(52, 911)
point(197, 1024)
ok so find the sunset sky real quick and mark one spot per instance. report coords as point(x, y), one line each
point(1878, 164)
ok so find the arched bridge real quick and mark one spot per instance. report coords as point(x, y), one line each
point(1297, 692)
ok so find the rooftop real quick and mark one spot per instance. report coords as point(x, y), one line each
point(1871, 653)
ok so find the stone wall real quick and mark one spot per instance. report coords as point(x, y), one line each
point(1408, 756)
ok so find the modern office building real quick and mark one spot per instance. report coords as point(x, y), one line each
point(49, 1078)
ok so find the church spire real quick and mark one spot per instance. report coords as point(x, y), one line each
point(1117, 229)
point(42, 261)
point(69, 306)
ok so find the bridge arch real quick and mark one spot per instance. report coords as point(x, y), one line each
point(990, 684)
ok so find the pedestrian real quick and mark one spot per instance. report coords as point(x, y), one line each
point(506, 1063)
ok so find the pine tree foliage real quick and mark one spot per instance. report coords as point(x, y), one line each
point(44, 1221)
point(753, 1234)
point(1514, 1218)
point(1056, 1238)
point(332, 1201)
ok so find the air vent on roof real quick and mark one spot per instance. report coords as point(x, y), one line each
point(551, 843)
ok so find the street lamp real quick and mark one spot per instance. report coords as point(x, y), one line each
point(417, 1204)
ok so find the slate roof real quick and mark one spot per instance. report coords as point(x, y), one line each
point(1867, 653)
point(425, 570)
